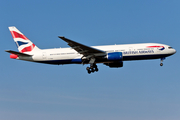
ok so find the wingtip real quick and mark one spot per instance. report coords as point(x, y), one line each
point(7, 50)
point(61, 36)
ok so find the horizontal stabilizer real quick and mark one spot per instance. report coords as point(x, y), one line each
point(18, 53)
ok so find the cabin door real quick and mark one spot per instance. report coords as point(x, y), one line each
point(44, 55)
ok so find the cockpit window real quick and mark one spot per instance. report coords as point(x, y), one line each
point(170, 47)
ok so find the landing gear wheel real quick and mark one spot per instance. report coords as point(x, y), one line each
point(96, 69)
point(88, 70)
point(161, 64)
point(93, 68)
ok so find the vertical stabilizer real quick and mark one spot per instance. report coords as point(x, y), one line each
point(22, 42)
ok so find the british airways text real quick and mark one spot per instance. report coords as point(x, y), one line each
point(138, 52)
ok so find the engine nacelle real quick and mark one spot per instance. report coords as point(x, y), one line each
point(115, 64)
point(115, 56)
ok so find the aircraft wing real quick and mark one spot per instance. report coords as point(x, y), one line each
point(82, 49)
point(18, 53)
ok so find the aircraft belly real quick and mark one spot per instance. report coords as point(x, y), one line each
point(59, 59)
point(144, 57)
point(62, 61)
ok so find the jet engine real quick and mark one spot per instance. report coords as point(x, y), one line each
point(115, 56)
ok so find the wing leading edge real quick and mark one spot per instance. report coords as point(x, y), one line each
point(83, 49)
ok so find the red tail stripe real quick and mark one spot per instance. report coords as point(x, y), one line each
point(17, 35)
point(28, 49)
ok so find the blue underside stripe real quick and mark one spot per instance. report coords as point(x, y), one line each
point(70, 61)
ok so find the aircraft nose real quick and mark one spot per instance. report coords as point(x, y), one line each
point(174, 51)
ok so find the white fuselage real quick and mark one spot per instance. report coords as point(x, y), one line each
point(129, 52)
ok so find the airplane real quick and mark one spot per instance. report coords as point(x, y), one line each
point(110, 55)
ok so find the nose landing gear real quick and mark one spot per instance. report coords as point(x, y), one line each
point(161, 64)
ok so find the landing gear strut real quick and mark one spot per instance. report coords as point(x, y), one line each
point(92, 68)
point(161, 64)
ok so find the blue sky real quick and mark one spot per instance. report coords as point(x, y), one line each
point(141, 90)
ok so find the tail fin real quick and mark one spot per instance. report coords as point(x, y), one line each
point(22, 42)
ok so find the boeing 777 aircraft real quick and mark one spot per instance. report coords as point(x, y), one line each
point(110, 55)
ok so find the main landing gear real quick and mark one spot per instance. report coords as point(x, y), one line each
point(93, 68)
point(161, 64)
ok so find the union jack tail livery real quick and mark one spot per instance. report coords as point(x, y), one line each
point(22, 42)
